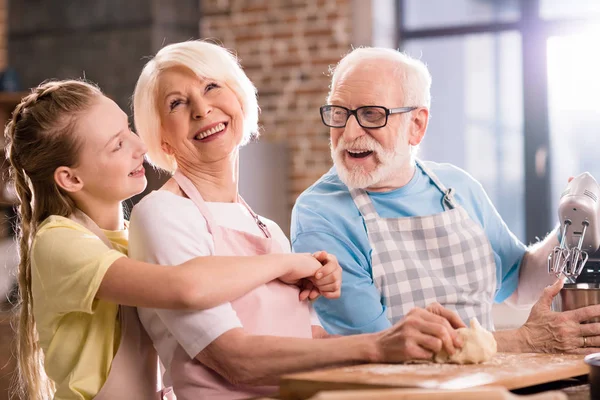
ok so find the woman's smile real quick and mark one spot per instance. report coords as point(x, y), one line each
point(211, 132)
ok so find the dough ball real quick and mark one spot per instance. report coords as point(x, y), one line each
point(479, 346)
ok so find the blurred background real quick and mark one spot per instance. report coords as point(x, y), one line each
point(514, 98)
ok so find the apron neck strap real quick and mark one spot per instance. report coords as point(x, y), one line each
point(363, 203)
point(367, 209)
point(448, 201)
point(83, 219)
point(261, 225)
point(187, 186)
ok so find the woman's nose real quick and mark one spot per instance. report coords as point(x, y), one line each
point(201, 110)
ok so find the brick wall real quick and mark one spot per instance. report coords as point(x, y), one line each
point(286, 47)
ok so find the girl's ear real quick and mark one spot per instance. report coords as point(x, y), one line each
point(66, 179)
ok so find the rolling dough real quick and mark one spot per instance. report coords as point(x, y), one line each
point(479, 346)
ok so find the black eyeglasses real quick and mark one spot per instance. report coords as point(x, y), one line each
point(370, 117)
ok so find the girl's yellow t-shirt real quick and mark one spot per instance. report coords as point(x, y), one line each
point(78, 333)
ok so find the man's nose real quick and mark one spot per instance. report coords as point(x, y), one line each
point(353, 130)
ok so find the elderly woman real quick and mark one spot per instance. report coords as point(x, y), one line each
point(195, 108)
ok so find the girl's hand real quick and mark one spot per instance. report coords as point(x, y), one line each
point(328, 279)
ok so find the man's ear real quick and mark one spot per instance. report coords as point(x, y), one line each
point(66, 179)
point(166, 147)
point(419, 122)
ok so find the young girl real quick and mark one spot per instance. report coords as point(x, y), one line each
point(73, 159)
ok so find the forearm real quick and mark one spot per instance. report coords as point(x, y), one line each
point(214, 280)
point(512, 341)
point(533, 274)
point(199, 284)
point(248, 359)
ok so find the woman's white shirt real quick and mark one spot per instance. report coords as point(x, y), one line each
point(169, 229)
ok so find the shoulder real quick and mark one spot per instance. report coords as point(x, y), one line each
point(58, 232)
point(326, 193)
point(327, 185)
point(162, 209)
point(449, 171)
point(57, 223)
point(167, 229)
point(64, 244)
point(162, 201)
point(326, 206)
point(459, 179)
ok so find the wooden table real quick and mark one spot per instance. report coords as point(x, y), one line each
point(508, 370)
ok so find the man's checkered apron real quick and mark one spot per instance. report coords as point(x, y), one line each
point(444, 257)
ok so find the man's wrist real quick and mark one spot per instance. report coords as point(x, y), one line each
point(371, 351)
point(513, 341)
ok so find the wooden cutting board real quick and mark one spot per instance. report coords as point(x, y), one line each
point(487, 393)
point(510, 370)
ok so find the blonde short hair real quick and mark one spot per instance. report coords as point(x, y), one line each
point(416, 84)
point(206, 60)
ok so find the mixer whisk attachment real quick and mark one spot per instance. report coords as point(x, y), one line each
point(569, 261)
point(558, 259)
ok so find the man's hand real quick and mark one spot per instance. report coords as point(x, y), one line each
point(547, 331)
point(418, 336)
point(450, 315)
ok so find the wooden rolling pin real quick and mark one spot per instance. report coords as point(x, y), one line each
point(487, 393)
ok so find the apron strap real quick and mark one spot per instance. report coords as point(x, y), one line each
point(84, 220)
point(364, 204)
point(367, 209)
point(129, 326)
point(448, 201)
point(263, 227)
point(187, 186)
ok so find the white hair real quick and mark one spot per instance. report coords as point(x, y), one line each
point(207, 61)
point(416, 82)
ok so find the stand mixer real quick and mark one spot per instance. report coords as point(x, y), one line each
point(579, 216)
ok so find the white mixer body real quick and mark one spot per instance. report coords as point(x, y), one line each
point(580, 204)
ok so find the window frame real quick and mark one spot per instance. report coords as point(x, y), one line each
point(539, 216)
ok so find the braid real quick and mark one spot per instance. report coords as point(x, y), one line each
point(31, 381)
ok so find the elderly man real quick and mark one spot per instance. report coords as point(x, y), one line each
point(408, 233)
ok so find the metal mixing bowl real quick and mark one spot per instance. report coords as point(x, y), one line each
point(593, 361)
point(577, 295)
